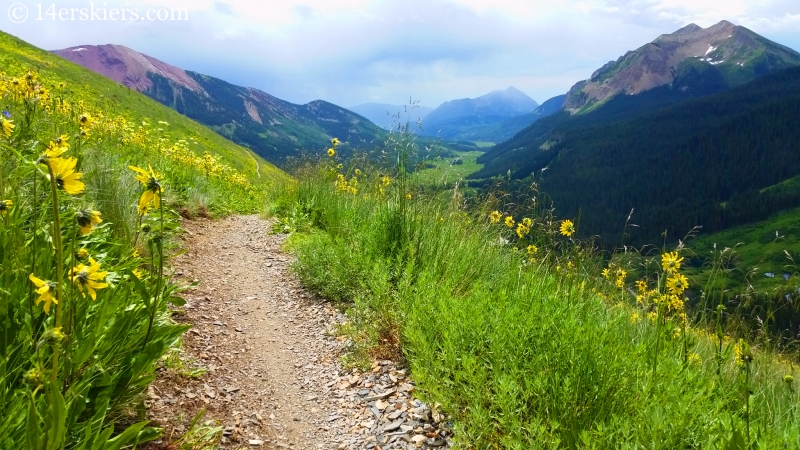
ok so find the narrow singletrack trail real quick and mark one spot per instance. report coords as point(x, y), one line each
point(273, 378)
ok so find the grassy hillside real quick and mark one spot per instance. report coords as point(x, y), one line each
point(93, 178)
point(512, 328)
point(156, 127)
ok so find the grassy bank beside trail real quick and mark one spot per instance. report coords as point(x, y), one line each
point(92, 179)
point(515, 332)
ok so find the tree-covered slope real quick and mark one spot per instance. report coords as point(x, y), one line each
point(273, 128)
point(698, 162)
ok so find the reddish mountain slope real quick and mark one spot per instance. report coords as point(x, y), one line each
point(126, 66)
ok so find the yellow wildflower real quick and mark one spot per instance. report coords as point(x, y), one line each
point(139, 273)
point(527, 222)
point(677, 284)
point(670, 262)
point(334, 142)
point(606, 273)
point(532, 249)
point(6, 126)
point(65, 176)
point(495, 216)
point(694, 359)
point(386, 180)
point(567, 228)
point(634, 317)
point(153, 189)
point(641, 286)
point(652, 316)
point(87, 219)
point(45, 291)
point(358, 172)
point(82, 253)
point(408, 196)
point(331, 152)
point(742, 353)
point(509, 221)
point(88, 277)
point(5, 205)
point(522, 230)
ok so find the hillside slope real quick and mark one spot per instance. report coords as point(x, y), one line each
point(154, 125)
point(701, 162)
point(273, 128)
point(729, 54)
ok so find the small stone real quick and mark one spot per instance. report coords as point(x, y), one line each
point(255, 442)
point(393, 426)
point(419, 439)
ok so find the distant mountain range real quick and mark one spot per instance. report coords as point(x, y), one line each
point(389, 116)
point(695, 128)
point(273, 128)
point(458, 119)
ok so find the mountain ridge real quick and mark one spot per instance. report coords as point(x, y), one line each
point(275, 129)
point(735, 53)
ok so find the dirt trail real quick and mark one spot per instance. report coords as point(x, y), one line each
point(273, 378)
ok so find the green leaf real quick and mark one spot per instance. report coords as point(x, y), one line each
point(32, 428)
point(56, 417)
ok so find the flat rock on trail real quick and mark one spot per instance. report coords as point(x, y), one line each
point(271, 354)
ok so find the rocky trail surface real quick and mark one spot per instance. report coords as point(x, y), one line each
point(273, 379)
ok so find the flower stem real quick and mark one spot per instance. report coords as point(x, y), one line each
point(160, 245)
point(59, 267)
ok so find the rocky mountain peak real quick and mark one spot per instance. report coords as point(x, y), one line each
point(742, 52)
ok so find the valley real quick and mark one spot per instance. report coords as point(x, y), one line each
point(188, 261)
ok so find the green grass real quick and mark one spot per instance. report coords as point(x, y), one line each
point(759, 249)
point(165, 126)
point(524, 353)
point(445, 173)
point(484, 144)
point(84, 316)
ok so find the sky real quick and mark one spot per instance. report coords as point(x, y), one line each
point(350, 52)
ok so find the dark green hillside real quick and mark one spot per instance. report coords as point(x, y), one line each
point(676, 167)
point(273, 128)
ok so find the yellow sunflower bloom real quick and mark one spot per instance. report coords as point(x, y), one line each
point(88, 278)
point(509, 221)
point(495, 216)
point(45, 290)
point(152, 187)
point(677, 284)
point(87, 219)
point(334, 142)
point(5, 205)
point(386, 181)
point(331, 152)
point(65, 176)
point(358, 172)
point(528, 222)
point(82, 253)
point(567, 228)
point(532, 249)
point(6, 126)
point(670, 262)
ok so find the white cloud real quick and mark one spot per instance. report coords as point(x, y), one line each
point(352, 51)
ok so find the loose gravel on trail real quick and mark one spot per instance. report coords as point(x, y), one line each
point(271, 351)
